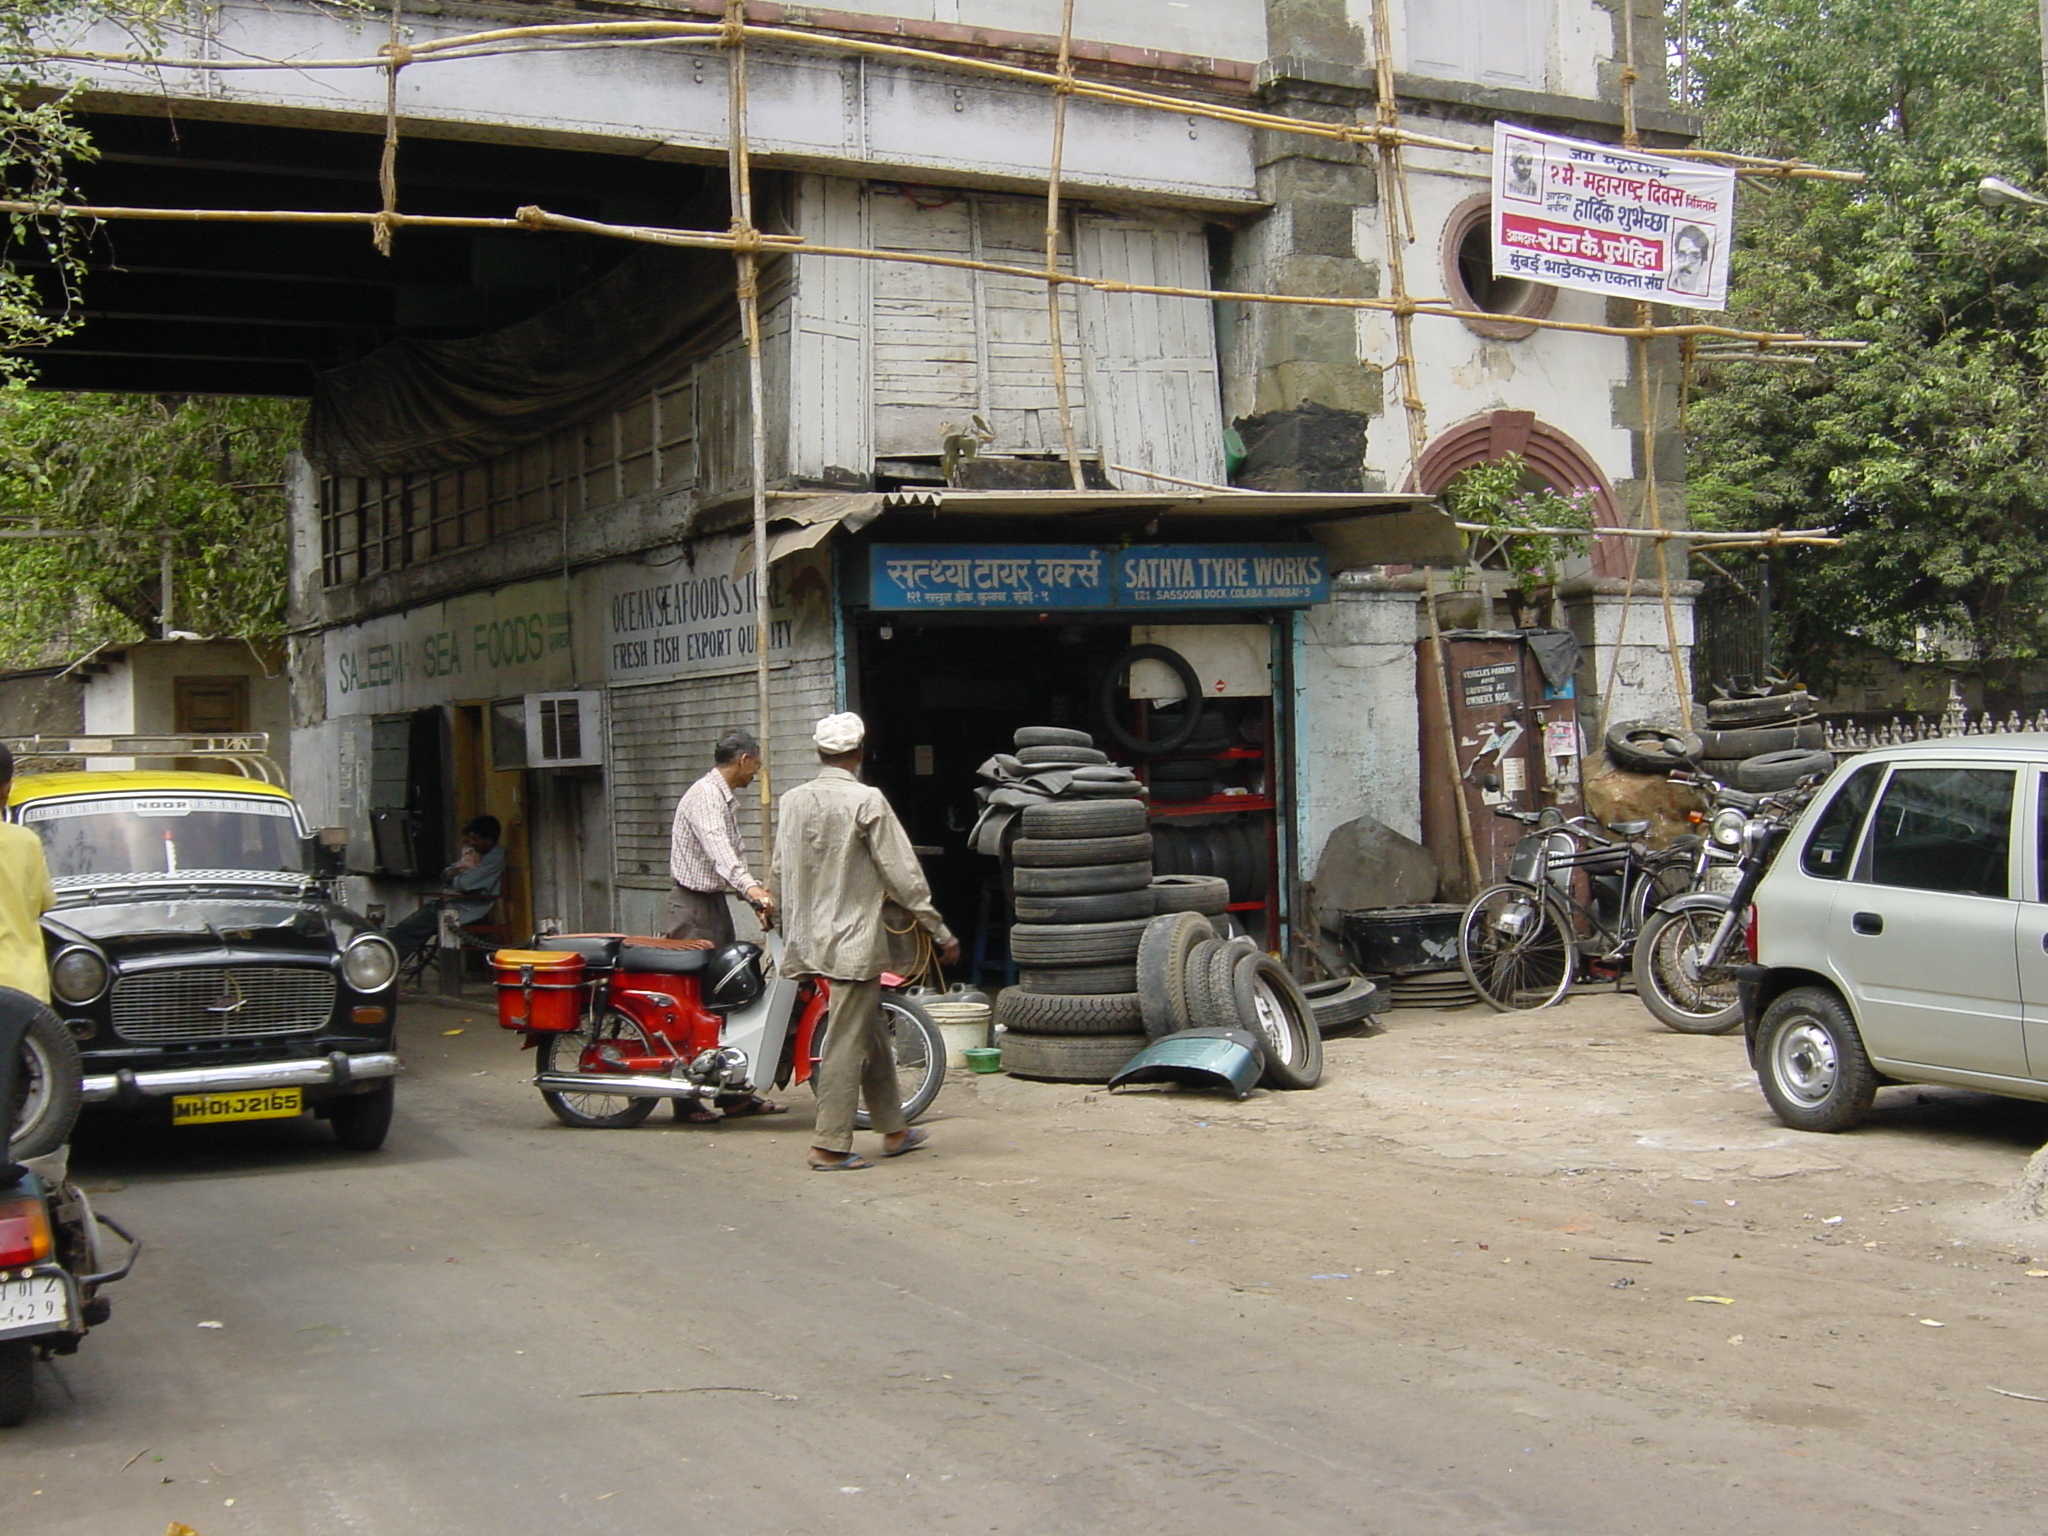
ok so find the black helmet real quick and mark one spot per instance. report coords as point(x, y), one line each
point(733, 978)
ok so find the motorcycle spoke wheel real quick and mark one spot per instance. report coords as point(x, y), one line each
point(578, 1050)
point(1514, 949)
point(920, 1052)
point(1684, 995)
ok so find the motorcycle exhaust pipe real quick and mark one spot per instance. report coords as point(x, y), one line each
point(625, 1087)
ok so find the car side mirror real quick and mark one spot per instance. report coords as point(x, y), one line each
point(327, 853)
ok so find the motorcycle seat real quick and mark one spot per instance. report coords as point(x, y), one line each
point(1629, 828)
point(600, 951)
point(663, 957)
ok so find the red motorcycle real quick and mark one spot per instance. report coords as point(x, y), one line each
point(622, 1022)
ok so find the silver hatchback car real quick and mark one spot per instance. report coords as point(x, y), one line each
point(1901, 936)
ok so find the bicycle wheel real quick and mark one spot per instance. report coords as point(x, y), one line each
point(1516, 949)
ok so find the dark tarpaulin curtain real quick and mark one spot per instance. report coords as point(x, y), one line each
point(425, 405)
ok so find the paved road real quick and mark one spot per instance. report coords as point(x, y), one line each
point(502, 1326)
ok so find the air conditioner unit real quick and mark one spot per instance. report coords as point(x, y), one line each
point(564, 730)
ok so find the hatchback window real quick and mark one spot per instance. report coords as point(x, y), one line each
point(1944, 829)
point(1834, 835)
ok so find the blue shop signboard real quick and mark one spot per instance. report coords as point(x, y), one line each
point(974, 578)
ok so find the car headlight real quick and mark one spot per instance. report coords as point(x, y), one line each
point(369, 963)
point(1727, 825)
point(78, 975)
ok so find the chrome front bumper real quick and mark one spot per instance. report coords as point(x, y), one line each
point(337, 1068)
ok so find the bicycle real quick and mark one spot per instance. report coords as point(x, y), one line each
point(1577, 894)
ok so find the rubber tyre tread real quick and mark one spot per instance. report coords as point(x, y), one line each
point(1725, 714)
point(17, 1379)
point(1212, 991)
point(1733, 746)
point(1083, 818)
point(1162, 982)
point(1069, 1058)
point(1071, 852)
point(1098, 907)
point(64, 1073)
point(1099, 790)
point(1300, 1063)
point(1189, 893)
point(1191, 687)
point(1082, 879)
point(1639, 746)
point(1069, 944)
point(1078, 980)
point(1782, 770)
point(1050, 736)
point(1053, 1013)
point(361, 1121)
point(1856, 1082)
point(1342, 1003)
point(1062, 757)
point(1649, 971)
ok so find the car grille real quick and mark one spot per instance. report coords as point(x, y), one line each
point(188, 1005)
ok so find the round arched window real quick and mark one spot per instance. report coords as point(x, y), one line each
point(1550, 458)
point(1472, 282)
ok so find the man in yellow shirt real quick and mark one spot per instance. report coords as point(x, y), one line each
point(25, 895)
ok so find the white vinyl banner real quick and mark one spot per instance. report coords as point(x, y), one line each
point(1590, 216)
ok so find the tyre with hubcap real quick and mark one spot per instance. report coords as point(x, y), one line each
point(48, 1087)
point(1684, 993)
point(1811, 1063)
point(1270, 1002)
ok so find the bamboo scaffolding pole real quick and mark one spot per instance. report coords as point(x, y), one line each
point(1054, 327)
point(1398, 227)
point(567, 36)
point(387, 162)
point(747, 264)
point(1725, 538)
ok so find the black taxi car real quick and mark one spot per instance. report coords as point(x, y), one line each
point(196, 955)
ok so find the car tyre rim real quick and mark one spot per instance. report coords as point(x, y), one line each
point(1806, 1063)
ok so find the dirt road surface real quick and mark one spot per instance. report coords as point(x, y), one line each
point(1559, 1273)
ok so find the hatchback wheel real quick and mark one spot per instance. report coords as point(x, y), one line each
point(1811, 1062)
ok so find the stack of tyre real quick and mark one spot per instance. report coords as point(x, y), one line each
point(1082, 892)
point(1191, 978)
point(1759, 743)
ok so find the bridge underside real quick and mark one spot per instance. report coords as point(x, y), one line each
point(257, 309)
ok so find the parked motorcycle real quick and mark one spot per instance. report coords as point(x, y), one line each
point(1687, 949)
point(51, 1262)
point(622, 1022)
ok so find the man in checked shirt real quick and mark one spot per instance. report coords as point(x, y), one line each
point(706, 856)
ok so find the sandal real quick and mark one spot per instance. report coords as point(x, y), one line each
point(692, 1112)
point(755, 1106)
point(912, 1140)
point(846, 1164)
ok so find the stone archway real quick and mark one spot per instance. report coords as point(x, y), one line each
point(1547, 451)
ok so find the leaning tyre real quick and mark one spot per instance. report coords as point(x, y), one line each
point(1651, 746)
point(361, 1121)
point(577, 1050)
point(1270, 1003)
point(1037, 944)
point(1672, 983)
point(1162, 971)
point(1189, 893)
point(1051, 736)
point(1069, 818)
point(1515, 949)
point(17, 1379)
point(1191, 686)
point(1050, 1013)
point(1068, 1058)
point(1081, 879)
point(1079, 980)
point(1782, 770)
point(1811, 1063)
point(1078, 852)
point(1102, 907)
point(49, 1087)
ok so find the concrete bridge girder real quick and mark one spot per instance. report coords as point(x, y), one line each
point(816, 111)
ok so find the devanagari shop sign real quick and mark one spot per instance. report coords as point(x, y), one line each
point(970, 578)
point(1605, 220)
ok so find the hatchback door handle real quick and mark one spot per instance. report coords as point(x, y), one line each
point(1873, 922)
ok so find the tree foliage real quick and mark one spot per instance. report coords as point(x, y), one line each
point(127, 469)
point(1929, 449)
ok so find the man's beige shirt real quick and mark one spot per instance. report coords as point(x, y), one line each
point(840, 853)
point(25, 896)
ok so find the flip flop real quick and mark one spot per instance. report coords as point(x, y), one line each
point(692, 1113)
point(846, 1164)
point(912, 1140)
point(755, 1106)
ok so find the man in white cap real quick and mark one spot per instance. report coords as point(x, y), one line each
point(840, 856)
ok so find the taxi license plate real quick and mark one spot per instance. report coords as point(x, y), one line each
point(258, 1104)
point(37, 1304)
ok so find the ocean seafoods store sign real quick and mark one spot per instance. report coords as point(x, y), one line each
point(973, 578)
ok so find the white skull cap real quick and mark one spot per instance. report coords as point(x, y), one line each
point(839, 733)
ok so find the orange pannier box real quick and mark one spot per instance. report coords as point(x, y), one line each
point(539, 990)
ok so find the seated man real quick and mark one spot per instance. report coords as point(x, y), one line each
point(471, 888)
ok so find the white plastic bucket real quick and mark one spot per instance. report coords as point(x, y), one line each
point(964, 1026)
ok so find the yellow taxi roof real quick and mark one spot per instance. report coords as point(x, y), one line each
point(145, 781)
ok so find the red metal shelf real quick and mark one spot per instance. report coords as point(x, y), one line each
point(1211, 806)
point(1246, 906)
